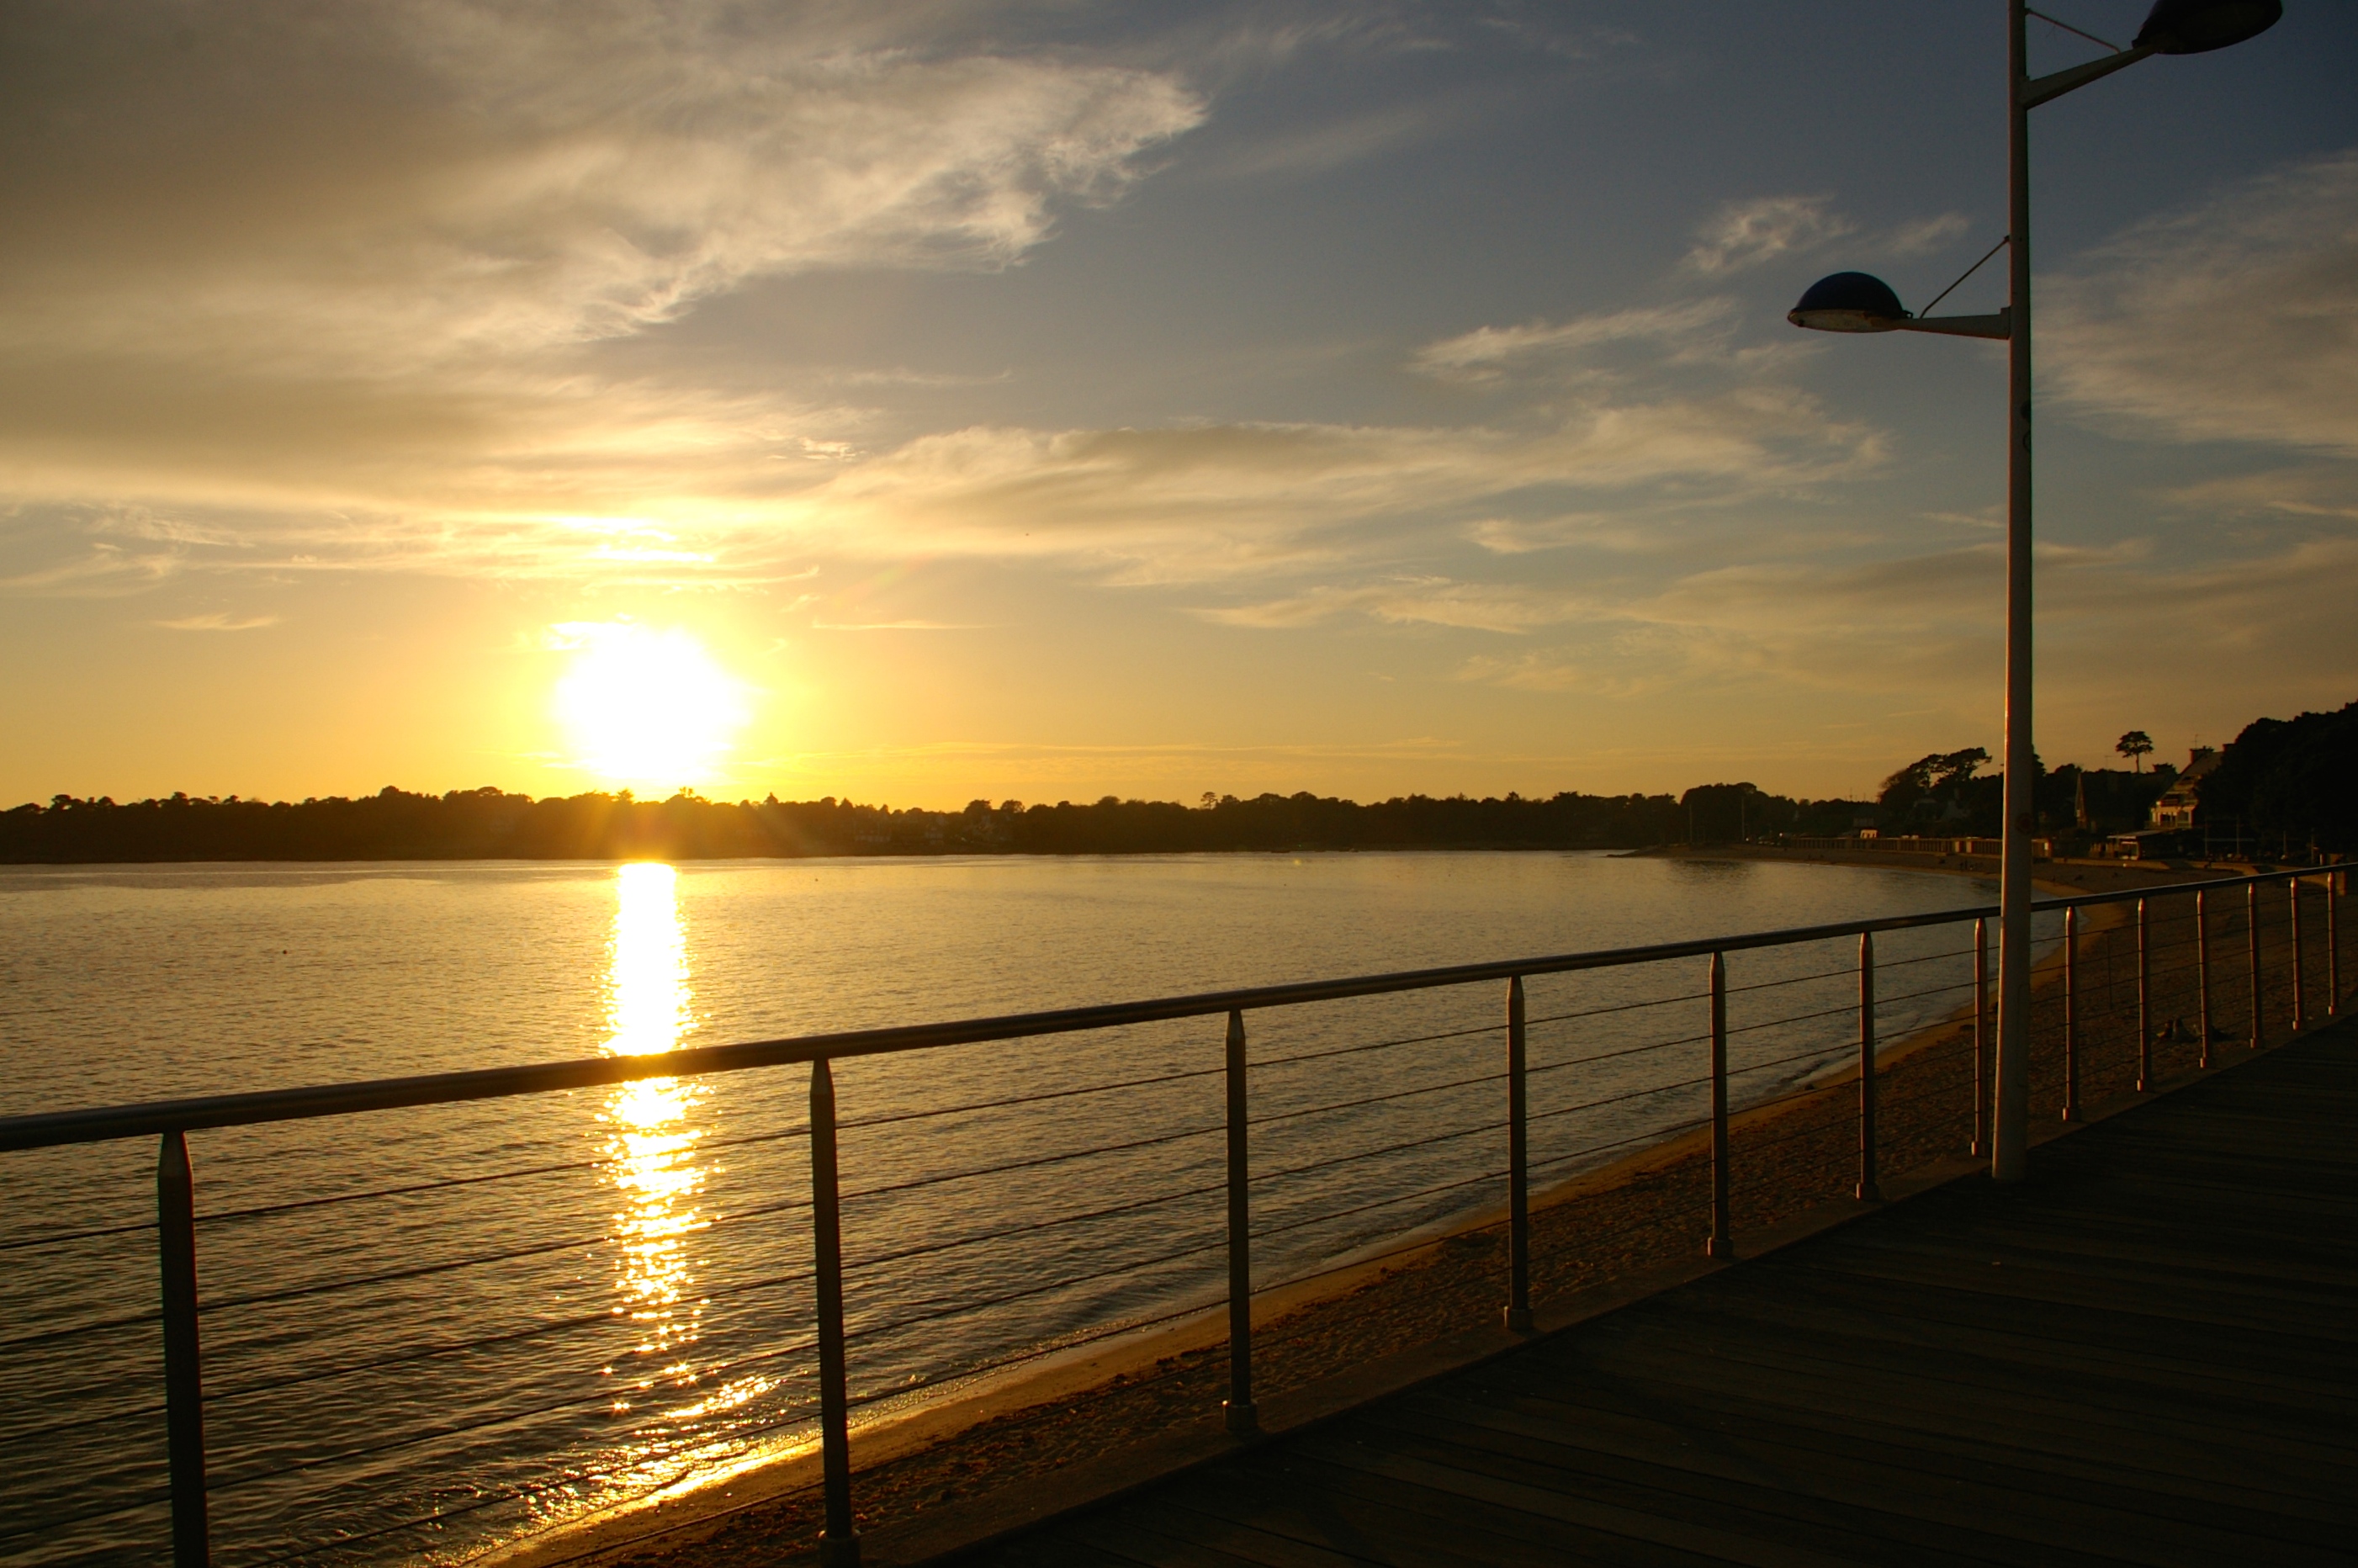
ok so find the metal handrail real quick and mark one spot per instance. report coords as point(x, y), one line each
point(176, 1220)
point(99, 1124)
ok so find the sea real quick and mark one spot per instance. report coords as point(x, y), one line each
point(432, 1332)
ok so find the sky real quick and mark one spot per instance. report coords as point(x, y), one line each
point(935, 401)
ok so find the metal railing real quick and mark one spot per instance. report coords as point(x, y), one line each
point(179, 1308)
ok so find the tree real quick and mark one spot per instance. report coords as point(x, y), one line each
point(2135, 746)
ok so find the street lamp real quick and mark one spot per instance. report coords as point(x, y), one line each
point(1855, 302)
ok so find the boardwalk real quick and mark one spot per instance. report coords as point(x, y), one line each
point(2145, 1354)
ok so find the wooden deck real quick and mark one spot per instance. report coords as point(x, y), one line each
point(2147, 1353)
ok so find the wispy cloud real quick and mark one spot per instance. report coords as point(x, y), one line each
point(220, 620)
point(2235, 320)
point(1743, 235)
point(1678, 333)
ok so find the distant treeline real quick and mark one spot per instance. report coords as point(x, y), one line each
point(2295, 779)
point(489, 824)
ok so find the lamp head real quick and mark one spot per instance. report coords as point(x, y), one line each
point(2197, 26)
point(1848, 302)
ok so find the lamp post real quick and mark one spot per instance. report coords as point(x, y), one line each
point(1857, 302)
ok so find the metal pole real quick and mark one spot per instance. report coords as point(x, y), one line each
point(1518, 1170)
point(1980, 1040)
point(1243, 1416)
point(2333, 946)
point(1723, 1240)
point(838, 1542)
point(2009, 1146)
point(1867, 1190)
point(2202, 972)
point(2071, 1013)
point(184, 1392)
point(2144, 999)
point(2251, 923)
point(2300, 991)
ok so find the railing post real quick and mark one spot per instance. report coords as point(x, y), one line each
point(1868, 1192)
point(838, 1542)
point(1243, 1416)
point(1518, 1169)
point(184, 1390)
point(2300, 991)
point(2071, 1013)
point(2252, 931)
point(2145, 999)
point(2332, 945)
point(1723, 1240)
point(1981, 1038)
point(2202, 972)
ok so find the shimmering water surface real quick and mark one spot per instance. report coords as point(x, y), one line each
point(506, 1314)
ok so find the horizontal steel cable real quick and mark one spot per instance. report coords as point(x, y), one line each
point(1030, 1164)
point(1846, 970)
point(962, 1308)
point(1608, 1056)
point(1261, 1232)
point(1401, 1250)
point(76, 1330)
point(50, 1523)
point(1651, 1135)
point(899, 1117)
point(1057, 1346)
point(518, 1174)
point(607, 1395)
point(1378, 1045)
point(1953, 986)
point(976, 1239)
point(1372, 1154)
point(1373, 1099)
point(1616, 1099)
point(58, 1238)
point(1883, 963)
point(1618, 1007)
point(1790, 1019)
point(330, 1287)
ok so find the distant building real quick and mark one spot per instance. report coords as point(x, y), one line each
point(2175, 809)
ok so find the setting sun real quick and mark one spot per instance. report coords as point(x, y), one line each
point(645, 707)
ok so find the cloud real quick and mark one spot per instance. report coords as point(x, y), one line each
point(2235, 320)
point(1743, 235)
point(1424, 600)
point(433, 179)
point(1922, 236)
point(1680, 333)
point(1201, 502)
point(219, 621)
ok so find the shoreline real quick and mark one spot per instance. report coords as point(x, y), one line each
point(649, 1530)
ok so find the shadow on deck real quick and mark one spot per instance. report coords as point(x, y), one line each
point(2147, 1353)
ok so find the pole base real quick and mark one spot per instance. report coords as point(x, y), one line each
point(838, 1550)
point(1518, 1319)
point(1243, 1417)
point(1869, 1193)
point(1720, 1247)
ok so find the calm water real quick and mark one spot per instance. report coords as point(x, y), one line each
point(414, 1374)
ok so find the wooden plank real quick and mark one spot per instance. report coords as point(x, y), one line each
point(1956, 1503)
point(1301, 1492)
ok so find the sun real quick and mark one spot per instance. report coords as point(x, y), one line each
point(646, 709)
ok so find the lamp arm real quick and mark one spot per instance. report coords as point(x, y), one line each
point(2038, 90)
point(1999, 324)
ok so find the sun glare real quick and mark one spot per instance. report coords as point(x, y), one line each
point(643, 708)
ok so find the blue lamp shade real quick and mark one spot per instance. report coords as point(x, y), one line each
point(2197, 26)
point(1848, 302)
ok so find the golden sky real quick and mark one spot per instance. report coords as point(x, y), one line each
point(934, 401)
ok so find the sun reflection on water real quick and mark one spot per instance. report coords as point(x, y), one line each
point(651, 1125)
